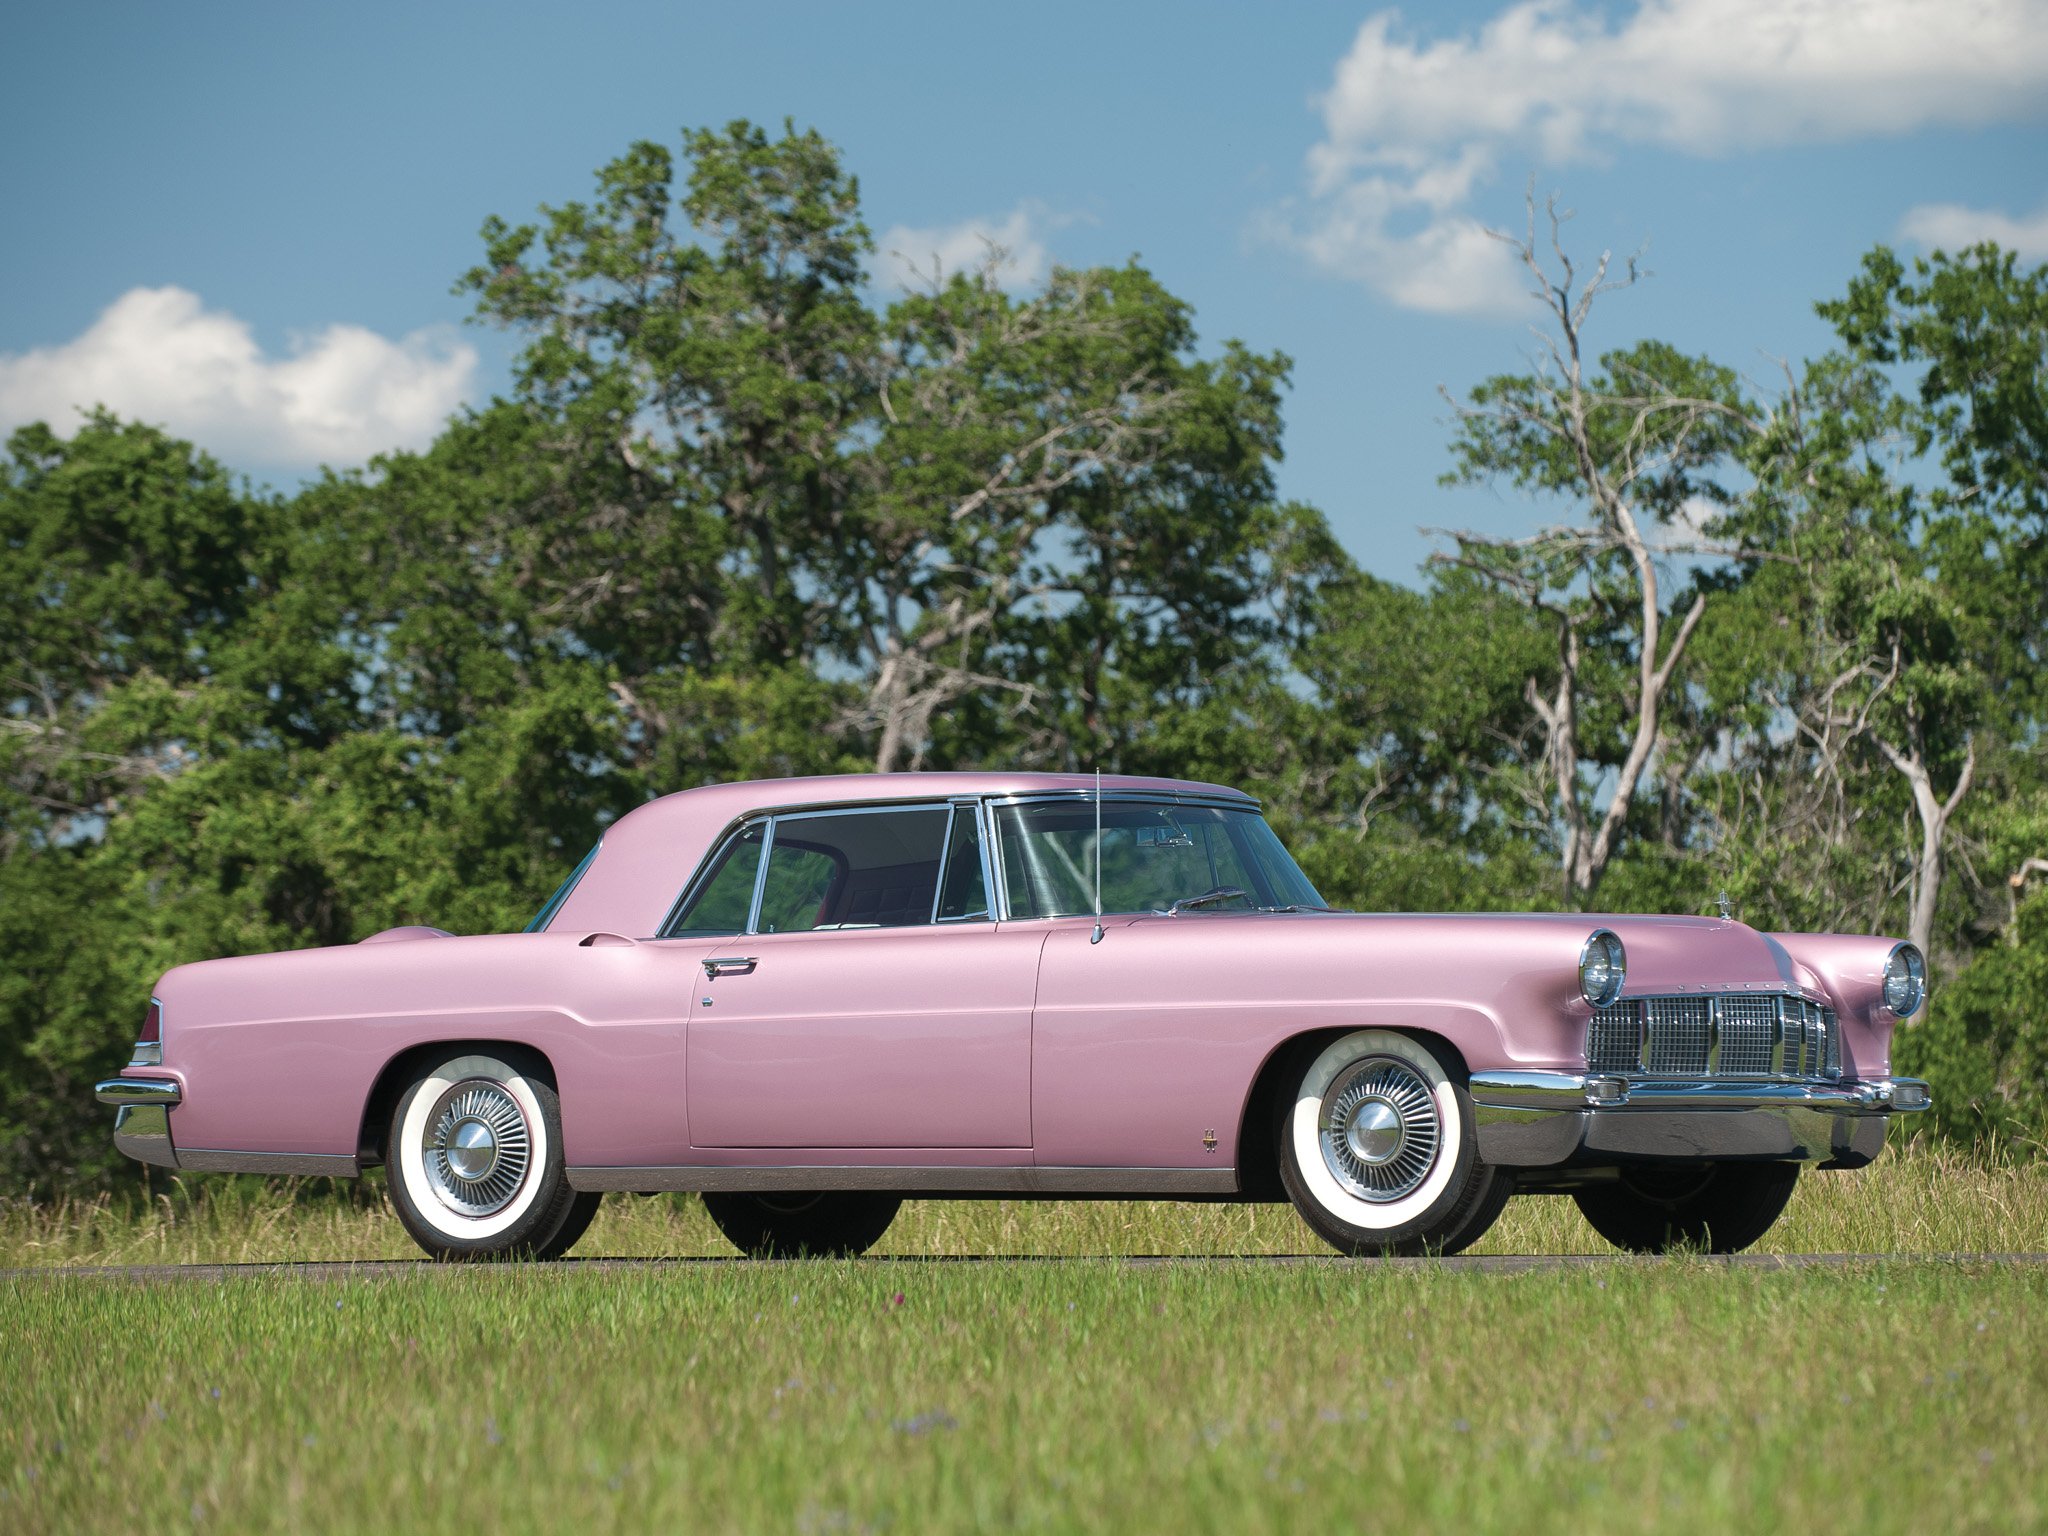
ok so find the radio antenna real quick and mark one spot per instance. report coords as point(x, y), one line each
point(1096, 937)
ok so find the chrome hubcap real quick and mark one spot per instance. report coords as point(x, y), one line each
point(472, 1149)
point(476, 1150)
point(1373, 1132)
point(1379, 1129)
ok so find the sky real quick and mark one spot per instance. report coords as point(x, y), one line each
point(243, 222)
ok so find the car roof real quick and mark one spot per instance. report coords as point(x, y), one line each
point(648, 853)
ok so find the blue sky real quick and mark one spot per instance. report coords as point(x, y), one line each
point(244, 221)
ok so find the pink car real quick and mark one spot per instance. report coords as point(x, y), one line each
point(811, 999)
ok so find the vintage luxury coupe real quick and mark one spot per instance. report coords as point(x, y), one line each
point(811, 999)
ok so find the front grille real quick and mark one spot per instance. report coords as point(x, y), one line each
point(1730, 1034)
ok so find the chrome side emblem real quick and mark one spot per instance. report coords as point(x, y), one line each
point(1208, 1141)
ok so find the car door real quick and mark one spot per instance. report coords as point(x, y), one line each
point(872, 1005)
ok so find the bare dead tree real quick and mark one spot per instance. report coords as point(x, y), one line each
point(1557, 414)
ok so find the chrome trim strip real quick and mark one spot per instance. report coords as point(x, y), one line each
point(1554, 1091)
point(920, 1180)
point(945, 858)
point(761, 876)
point(138, 1090)
point(299, 1164)
point(999, 892)
point(991, 889)
point(1086, 792)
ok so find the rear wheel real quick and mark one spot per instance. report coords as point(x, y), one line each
point(1713, 1207)
point(475, 1161)
point(803, 1225)
point(1378, 1149)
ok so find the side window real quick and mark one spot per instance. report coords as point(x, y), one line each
point(801, 878)
point(965, 894)
point(1152, 856)
point(722, 900)
point(853, 869)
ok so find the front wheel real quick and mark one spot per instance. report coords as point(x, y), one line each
point(475, 1159)
point(803, 1225)
point(1378, 1149)
point(1711, 1208)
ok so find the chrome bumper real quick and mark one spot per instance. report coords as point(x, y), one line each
point(142, 1124)
point(1552, 1119)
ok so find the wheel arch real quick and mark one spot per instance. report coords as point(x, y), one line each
point(392, 1079)
point(1258, 1147)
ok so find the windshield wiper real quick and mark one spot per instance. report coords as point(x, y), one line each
point(1214, 894)
point(1303, 906)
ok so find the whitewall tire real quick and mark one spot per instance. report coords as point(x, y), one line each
point(1378, 1148)
point(475, 1161)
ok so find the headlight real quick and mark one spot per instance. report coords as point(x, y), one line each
point(1905, 980)
point(1603, 967)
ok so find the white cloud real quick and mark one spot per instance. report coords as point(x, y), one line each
point(158, 355)
point(1952, 227)
point(1412, 127)
point(908, 256)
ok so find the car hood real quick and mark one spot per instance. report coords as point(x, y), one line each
point(1665, 953)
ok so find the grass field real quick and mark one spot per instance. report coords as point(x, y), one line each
point(908, 1395)
point(1916, 1199)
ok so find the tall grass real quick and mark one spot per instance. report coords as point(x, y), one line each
point(1918, 1198)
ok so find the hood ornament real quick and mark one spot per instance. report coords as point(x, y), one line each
point(1721, 901)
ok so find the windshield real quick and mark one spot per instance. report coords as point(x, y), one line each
point(1152, 856)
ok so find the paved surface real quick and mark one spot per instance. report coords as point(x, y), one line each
point(1493, 1264)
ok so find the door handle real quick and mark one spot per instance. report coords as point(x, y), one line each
point(736, 963)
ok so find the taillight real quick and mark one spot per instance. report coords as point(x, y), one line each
point(149, 1045)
